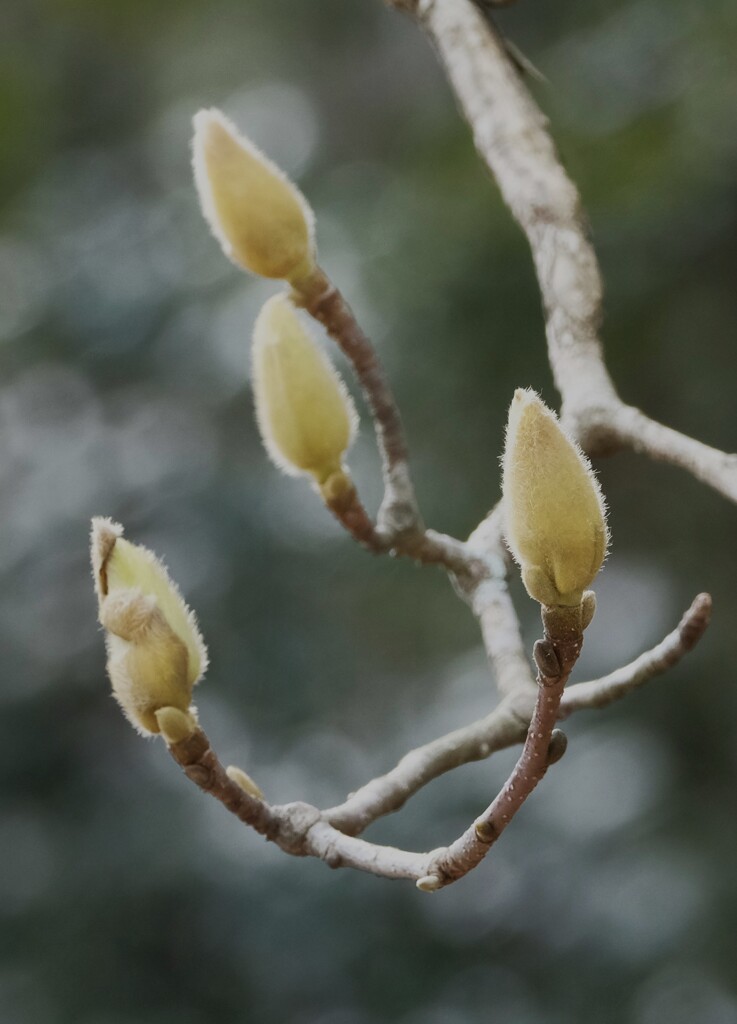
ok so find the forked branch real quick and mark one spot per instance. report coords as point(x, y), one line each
point(512, 137)
point(332, 835)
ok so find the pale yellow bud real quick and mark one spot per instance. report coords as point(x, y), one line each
point(305, 415)
point(429, 883)
point(554, 512)
point(262, 221)
point(155, 651)
point(244, 780)
point(174, 725)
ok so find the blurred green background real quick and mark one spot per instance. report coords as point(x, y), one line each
point(126, 896)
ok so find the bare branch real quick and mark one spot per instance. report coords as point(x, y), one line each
point(200, 764)
point(505, 726)
point(712, 467)
point(302, 830)
point(495, 611)
point(400, 528)
point(555, 655)
point(600, 692)
point(297, 828)
point(512, 137)
point(323, 301)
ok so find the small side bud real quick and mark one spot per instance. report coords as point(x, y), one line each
point(262, 221)
point(155, 651)
point(555, 522)
point(546, 659)
point(244, 780)
point(557, 746)
point(430, 883)
point(174, 725)
point(305, 414)
point(588, 608)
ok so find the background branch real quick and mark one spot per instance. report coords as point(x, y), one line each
point(493, 606)
point(600, 692)
point(511, 135)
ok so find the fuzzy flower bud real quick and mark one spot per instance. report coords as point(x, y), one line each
point(262, 221)
point(155, 651)
point(555, 521)
point(305, 415)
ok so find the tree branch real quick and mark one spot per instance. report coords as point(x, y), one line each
point(628, 426)
point(399, 512)
point(555, 655)
point(506, 725)
point(600, 692)
point(512, 137)
point(511, 134)
point(331, 835)
point(493, 606)
point(297, 828)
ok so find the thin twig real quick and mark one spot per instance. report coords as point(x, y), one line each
point(599, 692)
point(505, 726)
point(323, 301)
point(399, 528)
point(556, 656)
point(716, 469)
point(302, 830)
point(201, 766)
point(297, 828)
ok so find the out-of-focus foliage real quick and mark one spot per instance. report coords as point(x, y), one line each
point(127, 897)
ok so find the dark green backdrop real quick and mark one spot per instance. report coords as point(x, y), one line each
point(125, 896)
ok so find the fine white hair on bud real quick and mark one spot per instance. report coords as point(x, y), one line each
point(554, 512)
point(155, 651)
point(262, 221)
point(305, 415)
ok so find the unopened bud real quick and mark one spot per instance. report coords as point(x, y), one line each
point(155, 651)
point(429, 883)
point(554, 512)
point(244, 780)
point(262, 221)
point(174, 725)
point(305, 414)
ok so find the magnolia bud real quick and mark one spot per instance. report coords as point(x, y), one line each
point(554, 512)
point(155, 651)
point(174, 725)
point(305, 415)
point(244, 780)
point(262, 221)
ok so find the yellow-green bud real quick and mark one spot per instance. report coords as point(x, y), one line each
point(555, 522)
point(262, 221)
point(244, 780)
point(155, 651)
point(174, 725)
point(305, 415)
